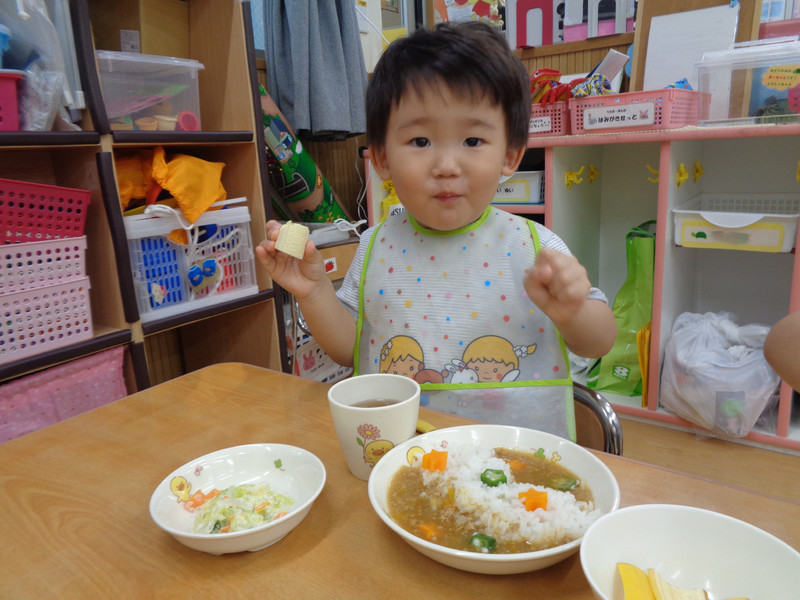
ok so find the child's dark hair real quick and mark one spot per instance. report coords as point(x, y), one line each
point(470, 58)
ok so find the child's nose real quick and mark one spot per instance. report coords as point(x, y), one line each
point(446, 165)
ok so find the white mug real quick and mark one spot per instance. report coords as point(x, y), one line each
point(387, 417)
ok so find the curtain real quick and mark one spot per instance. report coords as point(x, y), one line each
point(315, 66)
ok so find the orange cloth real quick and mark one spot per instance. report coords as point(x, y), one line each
point(194, 183)
point(134, 176)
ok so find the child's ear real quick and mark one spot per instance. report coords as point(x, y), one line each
point(377, 157)
point(512, 159)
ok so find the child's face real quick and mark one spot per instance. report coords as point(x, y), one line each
point(445, 155)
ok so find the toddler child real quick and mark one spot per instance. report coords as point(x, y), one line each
point(477, 304)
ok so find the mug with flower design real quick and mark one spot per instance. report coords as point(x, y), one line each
point(372, 414)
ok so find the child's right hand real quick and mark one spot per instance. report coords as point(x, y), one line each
point(299, 277)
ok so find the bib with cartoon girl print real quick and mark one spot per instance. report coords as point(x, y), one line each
point(449, 309)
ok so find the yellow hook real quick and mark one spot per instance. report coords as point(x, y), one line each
point(654, 172)
point(593, 173)
point(682, 175)
point(571, 177)
point(698, 171)
point(797, 175)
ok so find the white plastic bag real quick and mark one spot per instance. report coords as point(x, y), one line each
point(715, 374)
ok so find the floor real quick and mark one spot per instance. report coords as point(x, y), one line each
point(766, 471)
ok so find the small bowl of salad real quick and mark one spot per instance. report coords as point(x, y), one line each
point(244, 498)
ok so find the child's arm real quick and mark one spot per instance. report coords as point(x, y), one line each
point(329, 321)
point(559, 286)
point(782, 349)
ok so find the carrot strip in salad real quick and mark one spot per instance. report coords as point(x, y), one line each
point(198, 499)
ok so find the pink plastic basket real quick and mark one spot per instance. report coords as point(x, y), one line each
point(9, 113)
point(667, 108)
point(552, 119)
point(31, 212)
point(39, 264)
point(38, 320)
point(45, 398)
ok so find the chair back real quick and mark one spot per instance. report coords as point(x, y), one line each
point(596, 422)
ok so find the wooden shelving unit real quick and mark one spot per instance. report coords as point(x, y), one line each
point(218, 34)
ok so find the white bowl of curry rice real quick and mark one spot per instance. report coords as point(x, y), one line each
point(492, 499)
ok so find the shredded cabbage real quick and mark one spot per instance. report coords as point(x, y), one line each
point(241, 507)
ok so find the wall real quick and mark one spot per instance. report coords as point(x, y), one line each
point(339, 161)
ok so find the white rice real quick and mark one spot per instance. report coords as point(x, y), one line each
point(499, 510)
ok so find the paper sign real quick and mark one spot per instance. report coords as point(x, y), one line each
point(678, 40)
point(540, 125)
point(781, 77)
point(604, 117)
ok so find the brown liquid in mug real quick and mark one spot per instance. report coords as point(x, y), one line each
point(375, 403)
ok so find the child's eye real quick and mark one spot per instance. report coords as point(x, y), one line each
point(472, 142)
point(420, 142)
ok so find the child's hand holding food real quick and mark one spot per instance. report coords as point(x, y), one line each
point(294, 263)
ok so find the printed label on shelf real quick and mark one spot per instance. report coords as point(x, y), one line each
point(605, 117)
point(540, 125)
point(513, 190)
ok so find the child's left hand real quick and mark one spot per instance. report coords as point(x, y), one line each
point(558, 285)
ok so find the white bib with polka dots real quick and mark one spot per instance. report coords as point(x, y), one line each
point(449, 309)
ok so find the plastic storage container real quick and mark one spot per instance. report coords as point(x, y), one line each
point(753, 83)
point(42, 319)
point(523, 187)
point(216, 265)
point(9, 108)
point(756, 222)
point(149, 92)
point(552, 119)
point(5, 35)
point(39, 264)
point(32, 212)
point(668, 108)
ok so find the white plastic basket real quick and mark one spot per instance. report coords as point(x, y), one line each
point(523, 187)
point(46, 318)
point(755, 222)
point(215, 266)
point(33, 265)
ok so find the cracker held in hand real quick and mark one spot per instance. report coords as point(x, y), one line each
point(292, 239)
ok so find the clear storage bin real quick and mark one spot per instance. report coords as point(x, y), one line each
point(752, 83)
point(149, 92)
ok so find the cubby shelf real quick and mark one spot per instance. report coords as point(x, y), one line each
point(638, 181)
point(247, 329)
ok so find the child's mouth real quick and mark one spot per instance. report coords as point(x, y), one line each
point(447, 197)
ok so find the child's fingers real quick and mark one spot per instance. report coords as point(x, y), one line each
point(265, 254)
point(273, 228)
point(562, 275)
